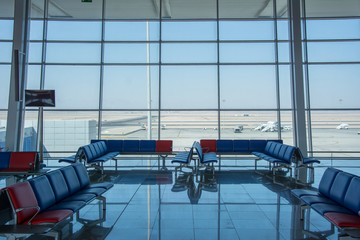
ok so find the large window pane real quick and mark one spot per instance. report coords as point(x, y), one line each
point(188, 31)
point(5, 52)
point(36, 29)
point(245, 9)
point(126, 87)
point(334, 86)
point(73, 53)
point(333, 29)
point(75, 87)
point(3, 122)
point(37, 9)
point(6, 27)
point(35, 52)
point(33, 77)
point(335, 131)
point(287, 127)
point(74, 30)
point(247, 87)
point(285, 86)
point(334, 51)
point(4, 83)
point(7, 8)
point(189, 53)
point(75, 9)
point(192, 87)
point(131, 31)
point(134, 9)
point(246, 30)
point(66, 131)
point(189, 9)
point(129, 125)
point(343, 8)
point(247, 52)
point(251, 123)
point(131, 53)
point(185, 127)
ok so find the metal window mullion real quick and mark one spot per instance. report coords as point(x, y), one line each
point(160, 66)
point(277, 79)
point(307, 83)
point(101, 83)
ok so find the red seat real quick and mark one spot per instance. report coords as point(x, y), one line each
point(22, 161)
point(343, 220)
point(54, 216)
point(208, 145)
point(24, 201)
point(164, 146)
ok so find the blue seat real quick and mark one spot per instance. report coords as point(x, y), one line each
point(224, 146)
point(206, 160)
point(241, 146)
point(184, 159)
point(4, 160)
point(257, 145)
point(147, 146)
point(115, 145)
point(130, 146)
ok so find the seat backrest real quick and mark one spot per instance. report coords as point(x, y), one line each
point(87, 152)
point(224, 146)
point(352, 200)
point(164, 146)
point(58, 184)
point(114, 145)
point(71, 179)
point(257, 145)
point(269, 148)
point(22, 196)
point(208, 145)
point(288, 154)
point(241, 146)
point(43, 192)
point(198, 150)
point(81, 174)
point(4, 160)
point(130, 146)
point(147, 146)
point(327, 180)
point(340, 186)
point(23, 161)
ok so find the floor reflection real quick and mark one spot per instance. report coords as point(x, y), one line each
point(158, 205)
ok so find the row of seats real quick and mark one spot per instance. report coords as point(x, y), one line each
point(206, 159)
point(100, 151)
point(19, 162)
point(234, 146)
point(138, 146)
point(50, 198)
point(337, 198)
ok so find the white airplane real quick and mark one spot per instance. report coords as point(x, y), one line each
point(343, 126)
point(271, 127)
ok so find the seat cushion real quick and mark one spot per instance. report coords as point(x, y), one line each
point(51, 216)
point(323, 208)
point(302, 192)
point(343, 220)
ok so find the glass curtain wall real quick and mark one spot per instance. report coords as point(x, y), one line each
point(189, 70)
point(6, 37)
point(332, 69)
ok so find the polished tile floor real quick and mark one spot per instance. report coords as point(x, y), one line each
point(237, 204)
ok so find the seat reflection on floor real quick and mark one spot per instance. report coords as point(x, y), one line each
point(188, 181)
point(230, 204)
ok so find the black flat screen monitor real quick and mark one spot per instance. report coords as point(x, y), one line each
point(40, 98)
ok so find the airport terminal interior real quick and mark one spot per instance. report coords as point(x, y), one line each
point(183, 71)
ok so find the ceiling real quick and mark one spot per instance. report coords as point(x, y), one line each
point(182, 9)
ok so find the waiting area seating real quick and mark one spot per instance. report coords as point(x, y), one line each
point(20, 164)
point(100, 151)
point(48, 200)
point(337, 199)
